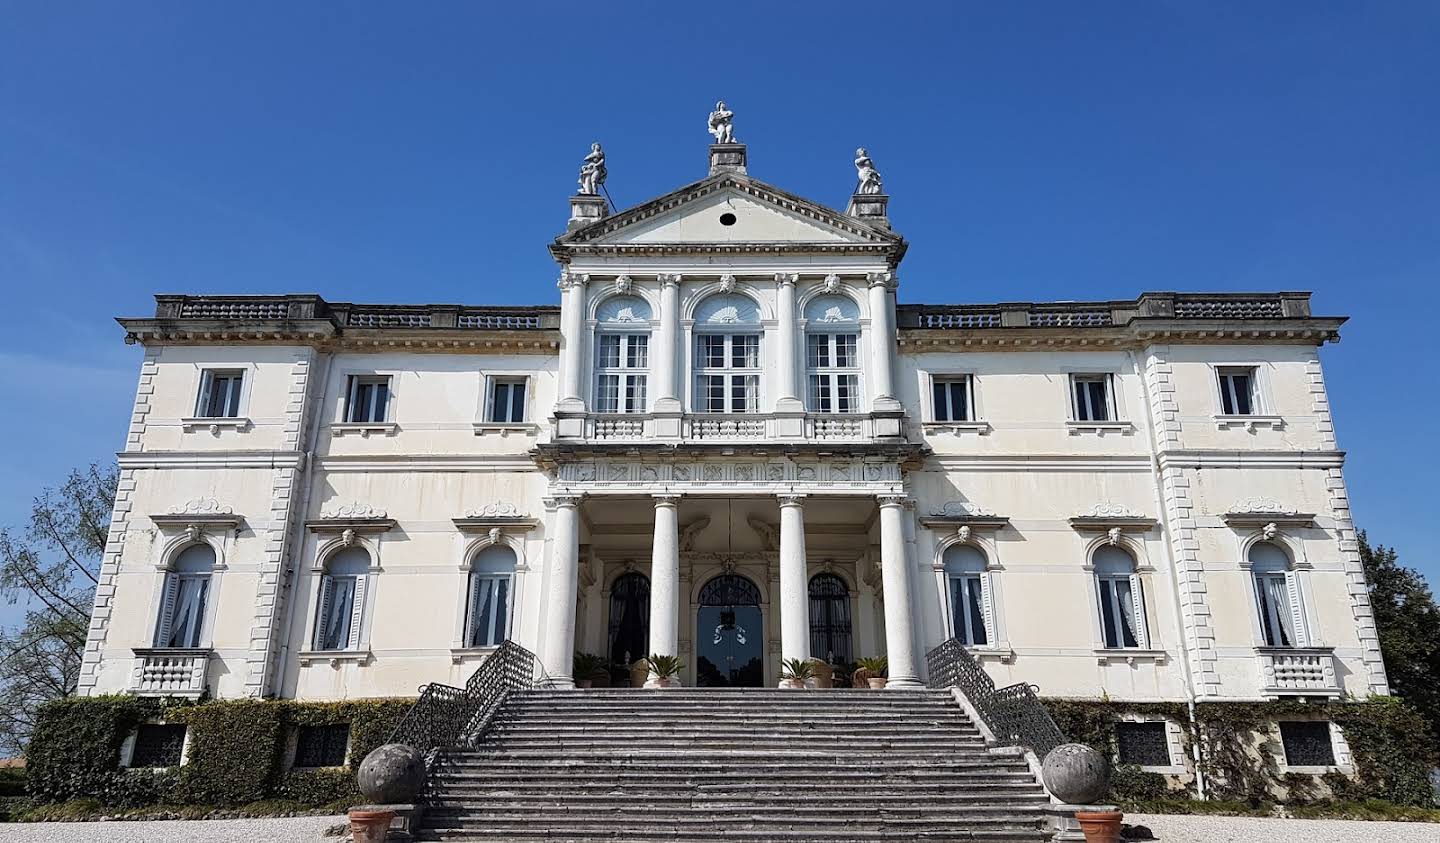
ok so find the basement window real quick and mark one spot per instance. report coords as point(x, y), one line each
point(1143, 744)
point(322, 746)
point(158, 745)
point(1307, 743)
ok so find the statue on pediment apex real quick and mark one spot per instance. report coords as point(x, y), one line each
point(722, 123)
point(869, 176)
point(592, 172)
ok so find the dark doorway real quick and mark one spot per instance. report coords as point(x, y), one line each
point(629, 624)
point(731, 634)
point(830, 637)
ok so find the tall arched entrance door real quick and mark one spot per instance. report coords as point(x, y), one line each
point(629, 631)
point(731, 633)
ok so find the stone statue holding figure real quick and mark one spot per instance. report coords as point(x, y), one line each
point(869, 176)
point(721, 123)
point(592, 172)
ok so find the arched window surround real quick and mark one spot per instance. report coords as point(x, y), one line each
point(727, 361)
point(834, 354)
point(621, 354)
point(1280, 589)
point(470, 544)
point(362, 603)
point(182, 585)
point(982, 540)
point(492, 572)
point(847, 599)
point(1122, 596)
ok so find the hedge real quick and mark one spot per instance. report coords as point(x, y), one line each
point(1390, 747)
point(235, 751)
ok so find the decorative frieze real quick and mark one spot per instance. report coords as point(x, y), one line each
point(753, 475)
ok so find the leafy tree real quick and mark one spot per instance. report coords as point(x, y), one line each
point(1408, 621)
point(51, 567)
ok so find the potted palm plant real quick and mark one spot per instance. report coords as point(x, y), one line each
point(587, 667)
point(796, 672)
point(665, 670)
point(874, 669)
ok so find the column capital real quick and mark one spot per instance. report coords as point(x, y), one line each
point(666, 498)
point(787, 278)
point(791, 499)
point(669, 279)
point(893, 500)
point(882, 279)
point(559, 501)
point(572, 280)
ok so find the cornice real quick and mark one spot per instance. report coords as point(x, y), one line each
point(1137, 333)
point(210, 459)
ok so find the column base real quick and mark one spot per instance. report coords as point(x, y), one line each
point(559, 683)
point(903, 684)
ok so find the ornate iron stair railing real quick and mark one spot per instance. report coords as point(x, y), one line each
point(446, 716)
point(1014, 714)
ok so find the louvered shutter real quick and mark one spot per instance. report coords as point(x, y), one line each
point(357, 613)
point(1137, 597)
point(322, 615)
point(1297, 614)
point(989, 608)
point(202, 404)
point(171, 589)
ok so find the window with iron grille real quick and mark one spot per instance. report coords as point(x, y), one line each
point(1144, 744)
point(158, 745)
point(830, 632)
point(322, 746)
point(1307, 743)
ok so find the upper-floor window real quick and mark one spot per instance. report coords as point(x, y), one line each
point(187, 593)
point(622, 355)
point(1237, 391)
point(1093, 398)
point(506, 402)
point(1277, 596)
point(952, 398)
point(727, 355)
point(487, 612)
point(342, 600)
point(1122, 600)
point(219, 394)
point(367, 399)
point(832, 355)
point(968, 594)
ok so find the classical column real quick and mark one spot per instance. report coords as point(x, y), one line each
point(664, 354)
point(564, 522)
point(794, 590)
point(787, 388)
point(665, 580)
point(882, 345)
point(895, 576)
point(572, 330)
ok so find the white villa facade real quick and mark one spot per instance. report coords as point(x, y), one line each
point(731, 443)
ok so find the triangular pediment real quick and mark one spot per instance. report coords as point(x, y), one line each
point(730, 209)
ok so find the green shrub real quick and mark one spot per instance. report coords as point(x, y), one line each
point(75, 745)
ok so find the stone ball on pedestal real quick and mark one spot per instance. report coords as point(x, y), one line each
point(392, 774)
point(1076, 774)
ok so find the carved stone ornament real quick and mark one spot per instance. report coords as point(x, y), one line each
point(865, 171)
point(832, 283)
point(961, 509)
point(769, 533)
point(1270, 531)
point(623, 285)
point(498, 509)
point(963, 534)
point(494, 535)
point(787, 277)
point(570, 280)
point(1259, 504)
point(881, 279)
point(727, 283)
point(668, 279)
point(592, 172)
point(721, 123)
point(347, 538)
point(194, 532)
point(1112, 536)
point(1112, 510)
point(201, 506)
point(689, 531)
point(353, 510)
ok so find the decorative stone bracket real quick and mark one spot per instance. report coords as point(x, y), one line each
point(1114, 520)
point(198, 517)
point(351, 519)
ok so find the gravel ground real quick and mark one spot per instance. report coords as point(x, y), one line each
point(1195, 829)
point(307, 829)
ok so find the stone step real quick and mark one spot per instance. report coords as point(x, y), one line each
point(757, 761)
point(609, 834)
point(957, 779)
point(843, 798)
point(815, 743)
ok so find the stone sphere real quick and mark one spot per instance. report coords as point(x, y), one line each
point(392, 774)
point(1076, 774)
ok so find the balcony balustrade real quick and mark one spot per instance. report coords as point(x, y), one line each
point(1290, 671)
point(166, 672)
point(726, 427)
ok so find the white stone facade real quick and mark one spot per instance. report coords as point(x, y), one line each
point(1107, 513)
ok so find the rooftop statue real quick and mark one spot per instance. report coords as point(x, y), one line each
point(869, 176)
point(721, 123)
point(592, 172)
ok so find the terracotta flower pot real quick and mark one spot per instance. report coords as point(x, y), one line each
point(664, 682)
point(1099, 826)
point(370, 826)
point(876, 682)
point(795, 683)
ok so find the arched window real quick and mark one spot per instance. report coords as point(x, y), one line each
point(832, 355)
point(622, 355)
point(830, 637)
point(1122, 601)
point(187, 593)
point(727, 355)
point(342, 600)
point(1277, 596)
point(969, 594)
point(487, 614)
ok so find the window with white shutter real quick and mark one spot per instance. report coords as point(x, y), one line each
point(185, 598)
point(219, 394)
point(488, 596)
point(1122, 599)
point(1277, 596)
point(341, 609)
point(972, 615)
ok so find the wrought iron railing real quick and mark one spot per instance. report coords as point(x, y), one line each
point(1014, 714)
point(446, 716)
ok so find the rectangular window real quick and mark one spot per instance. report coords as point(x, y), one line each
point(337, 610)
point(621, 361)
point(1143, 744)
point(489, 608)
point(158, 745)
point(728, 377)
point(184, 610)
point(322, 746)
point(507, 400)
point(368, 399)
point(219, 394)
point(1307, 743)
point(1237, 391)
point(1093, 399)
point(951, 399)
point(833, 384)
point(1119, 616)
point(1277, 621)
point(967, 610)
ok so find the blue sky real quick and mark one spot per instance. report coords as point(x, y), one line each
point(424, 152)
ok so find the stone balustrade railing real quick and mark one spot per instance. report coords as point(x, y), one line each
point(355, 316)
point(1226, 306)
point(1288, 671)
point(165, 672)
point(725, 427)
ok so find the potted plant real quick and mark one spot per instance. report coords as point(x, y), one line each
point(796, 672)
point(587, 667)
point(875, 669)
point(639, 672)
point(665, 670)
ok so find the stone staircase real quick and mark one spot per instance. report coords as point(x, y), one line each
point(747, 765)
